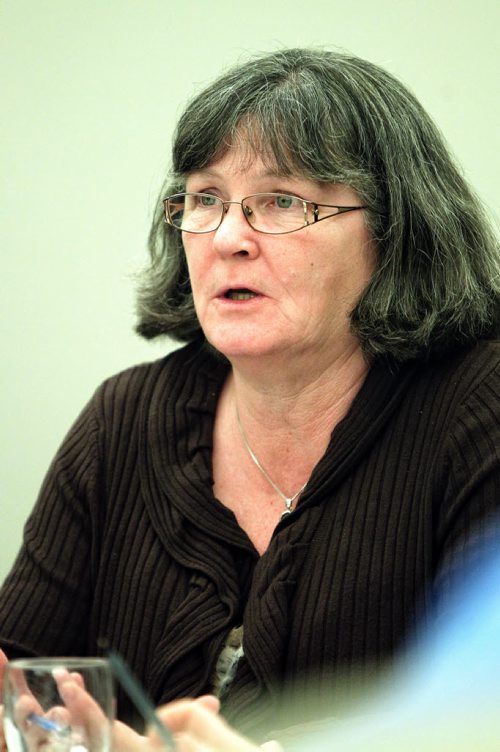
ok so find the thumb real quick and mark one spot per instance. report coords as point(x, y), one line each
point(3, 663)
point(209, 702)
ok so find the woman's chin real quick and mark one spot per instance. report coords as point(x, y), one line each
point(240, 348)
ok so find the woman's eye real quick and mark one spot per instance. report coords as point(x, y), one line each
point(285, 202)
point(206, 200)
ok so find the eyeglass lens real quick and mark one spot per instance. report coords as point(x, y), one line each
point(266, 212)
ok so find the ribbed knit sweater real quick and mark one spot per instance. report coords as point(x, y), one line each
point(128, 547)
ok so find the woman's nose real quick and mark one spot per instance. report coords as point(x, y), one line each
point(234, 235)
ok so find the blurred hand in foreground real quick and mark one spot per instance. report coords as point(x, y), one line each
point(3, 663)
point(195, 724)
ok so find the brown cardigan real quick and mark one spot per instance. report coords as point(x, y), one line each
point(127, 546)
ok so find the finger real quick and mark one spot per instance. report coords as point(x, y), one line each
point(60, 715)
point(85, 713)
point(19, 687)
point(3, 663)
point(210, 702)
point(186, 743)
point(34, 736)
point(126, 740)
point(3, 745)
point(202, 727)
point(62, 675)
point(24, 706)
point(17, 678)
point(78, 679)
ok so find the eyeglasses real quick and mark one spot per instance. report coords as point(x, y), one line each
point(272, 213)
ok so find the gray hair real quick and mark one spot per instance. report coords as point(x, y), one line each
point(331, 118)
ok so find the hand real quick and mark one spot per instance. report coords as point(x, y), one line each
point(196, 726)
point(80, 720)
point(194, 723)
point(3, 663)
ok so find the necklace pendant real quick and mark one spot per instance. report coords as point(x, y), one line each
point(288, 500)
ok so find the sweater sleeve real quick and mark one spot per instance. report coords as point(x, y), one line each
point(468, 520)
point(44, 601)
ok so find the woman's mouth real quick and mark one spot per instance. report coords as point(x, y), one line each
point(239, 294)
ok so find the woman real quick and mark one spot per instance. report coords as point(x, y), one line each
point(276, 505)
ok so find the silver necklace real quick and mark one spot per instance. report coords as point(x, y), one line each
point(288, 500)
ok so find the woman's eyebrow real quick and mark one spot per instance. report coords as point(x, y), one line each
point(211, 172)
point(204, 172)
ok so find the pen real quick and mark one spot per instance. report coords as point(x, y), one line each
point(139, 697)
point(47, 725)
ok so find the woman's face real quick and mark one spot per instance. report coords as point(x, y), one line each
point(304, 284)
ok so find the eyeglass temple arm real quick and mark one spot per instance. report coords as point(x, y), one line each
point(339, 210)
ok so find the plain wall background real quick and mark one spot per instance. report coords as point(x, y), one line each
point(90, 94)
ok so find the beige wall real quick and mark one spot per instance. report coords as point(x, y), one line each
point(90, 92)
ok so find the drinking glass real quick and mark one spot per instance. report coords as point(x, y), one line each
point(36, 717)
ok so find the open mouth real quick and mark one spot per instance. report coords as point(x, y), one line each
point(240, 294)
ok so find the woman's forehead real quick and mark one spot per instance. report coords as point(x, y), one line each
point(242, 158)
point(249, 142)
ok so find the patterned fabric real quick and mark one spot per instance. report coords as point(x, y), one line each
point(227, 662)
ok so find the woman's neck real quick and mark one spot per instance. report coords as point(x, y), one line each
point(296, 399)
point(286, 420)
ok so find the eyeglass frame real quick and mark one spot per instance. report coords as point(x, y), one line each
point(306, 204)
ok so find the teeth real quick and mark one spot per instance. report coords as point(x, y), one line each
point(240, 295)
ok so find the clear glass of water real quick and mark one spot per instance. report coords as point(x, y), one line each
point(58, 705)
